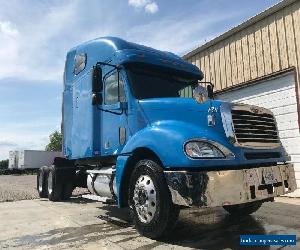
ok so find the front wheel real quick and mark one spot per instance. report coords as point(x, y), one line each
point(154, 214)
point(243, 209)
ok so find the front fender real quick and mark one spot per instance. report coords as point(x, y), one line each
point(166, 140)
point(120, 169)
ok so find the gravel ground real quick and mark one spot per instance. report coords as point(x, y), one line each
point(23, 187)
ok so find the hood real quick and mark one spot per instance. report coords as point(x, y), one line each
point(186, 120)
point(179, 109)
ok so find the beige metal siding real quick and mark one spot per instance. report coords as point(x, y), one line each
point(268, 45)
point(222, 67)
point(266, 49)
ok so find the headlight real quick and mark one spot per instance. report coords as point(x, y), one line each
point(197, 149)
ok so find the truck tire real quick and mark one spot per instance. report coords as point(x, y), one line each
point(68, 179)
point(68, 188)
point(54, 184)
point(42, 182)
point(81, 179)
point(153, 211)
point(243, 209)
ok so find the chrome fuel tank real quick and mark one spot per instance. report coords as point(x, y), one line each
point(102, 182)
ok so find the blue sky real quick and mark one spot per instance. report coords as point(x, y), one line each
point(35, 36)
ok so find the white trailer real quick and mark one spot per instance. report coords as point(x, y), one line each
point(13, 159)
point(30, 159)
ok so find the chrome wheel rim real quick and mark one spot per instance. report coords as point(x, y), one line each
point(50, 183)
point(41, 182)
point(144, 198)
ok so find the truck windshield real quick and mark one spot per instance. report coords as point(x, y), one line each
point(153, 84)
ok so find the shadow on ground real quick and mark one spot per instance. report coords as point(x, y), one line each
point(205, 228)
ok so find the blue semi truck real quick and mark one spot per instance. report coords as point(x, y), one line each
point(130, 135)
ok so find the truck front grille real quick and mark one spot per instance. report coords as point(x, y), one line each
point(254, 126)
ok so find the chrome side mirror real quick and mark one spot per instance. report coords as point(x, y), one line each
point(200, 94)
point(210, 91)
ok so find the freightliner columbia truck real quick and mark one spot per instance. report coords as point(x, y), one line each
point(129, 135)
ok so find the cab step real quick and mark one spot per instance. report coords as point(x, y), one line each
point(98, 198)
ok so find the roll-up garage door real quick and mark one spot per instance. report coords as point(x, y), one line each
point(279, 95)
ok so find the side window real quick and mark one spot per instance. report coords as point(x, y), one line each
point(112, 92)
point(80, 62)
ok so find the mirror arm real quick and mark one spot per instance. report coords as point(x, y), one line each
point(108, 64)
point(118, 85)
point(210, 83)
point(212, 89)
point(116, 67)
point(108, 111)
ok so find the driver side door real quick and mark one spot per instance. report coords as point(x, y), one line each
point(114, 129)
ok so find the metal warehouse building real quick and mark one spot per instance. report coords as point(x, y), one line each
point(258, 62)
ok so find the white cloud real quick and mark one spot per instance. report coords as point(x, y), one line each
point(19, 141)
point(7, 28)
point(149, 6)
point(34, 45)
point(138, 3)
point(9, 48)
point(174, 36)
point(28, 51)
point(4, 143)
point(26, 135)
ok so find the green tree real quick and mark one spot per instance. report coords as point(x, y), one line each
point(55, 143)
point(4, 164)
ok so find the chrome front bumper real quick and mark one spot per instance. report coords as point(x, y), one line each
point(227, 187)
